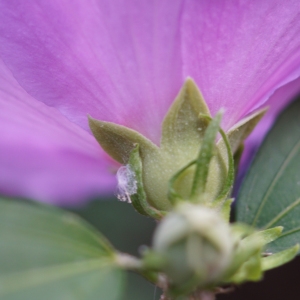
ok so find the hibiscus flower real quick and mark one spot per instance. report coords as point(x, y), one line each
point(124, 61)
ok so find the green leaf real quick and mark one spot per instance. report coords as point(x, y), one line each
point(118, 220)
point(47, 253)
point(270, 193)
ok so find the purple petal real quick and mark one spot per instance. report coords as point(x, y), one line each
point(277, 102)
point(116, 60)
point(125, 60)
point(42, 154)
point(240, 52)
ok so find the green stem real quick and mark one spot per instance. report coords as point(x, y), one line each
point(202, 295)
point(199, 295)
point(204, 157)
point(129, 262)
point(230, 174)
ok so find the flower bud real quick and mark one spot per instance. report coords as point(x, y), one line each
point(196, 243)
point(187, 150)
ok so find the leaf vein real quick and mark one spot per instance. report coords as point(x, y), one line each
point(285, 163)
point(32, 278)
point(283, 213)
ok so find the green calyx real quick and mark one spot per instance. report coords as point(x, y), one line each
point(188, 165)
point(192, 255)
point(250, 260)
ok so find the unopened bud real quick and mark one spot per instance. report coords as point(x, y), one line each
point(189, 164)
point(196, 243)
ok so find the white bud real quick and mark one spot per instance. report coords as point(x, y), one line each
point(197, 244)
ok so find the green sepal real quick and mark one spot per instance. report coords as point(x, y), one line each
point(173, 195)
point(182, 128)
point(183, 134)
point(247, 262)
point(247, 250)
point(220, 201)
point(279, 258)
point(139, 199)
point(269, 235)
point(241, 230)
point(240, 131)
point(250, 270)
point(119, 141)
point(202, 167)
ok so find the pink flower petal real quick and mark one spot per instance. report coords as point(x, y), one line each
point(125, 61)
point(277, 102)
point(116, 60)
point(42, 154)
point(240, 52)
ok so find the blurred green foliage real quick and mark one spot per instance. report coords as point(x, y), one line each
point(128, 231)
